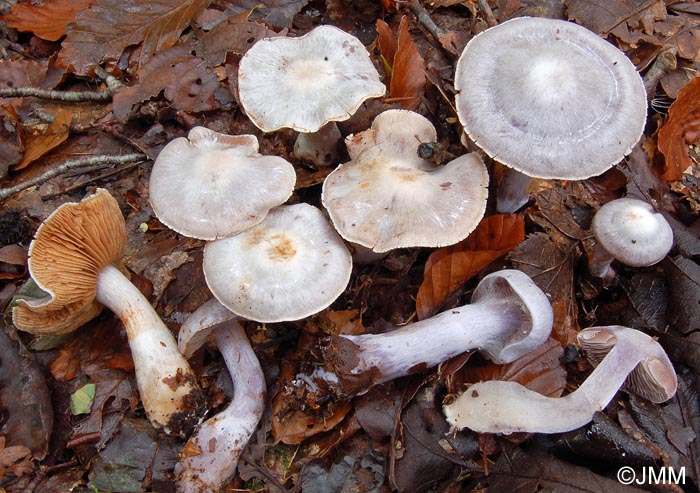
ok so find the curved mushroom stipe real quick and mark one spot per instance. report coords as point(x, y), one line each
point(210, 456)
point(508, 407)
point(508, 317)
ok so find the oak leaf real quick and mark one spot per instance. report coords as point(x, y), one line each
point(102, 32)
point(681, 129)
point(450, 267)
point(47, 21)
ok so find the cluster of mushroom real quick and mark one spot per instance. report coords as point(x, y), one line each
point(219, 188)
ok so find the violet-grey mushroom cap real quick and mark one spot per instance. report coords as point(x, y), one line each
point(211, 185)
point(288, 267)
point(388, 197)
point(305, 82)
point(549, 98)
point(633, 232)
point(653, 378)
point(517, 288)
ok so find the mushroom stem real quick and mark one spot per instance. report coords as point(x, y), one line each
point(319, 148)
point(508, 407)
point(211, 455)
point(508, 317)
point(600, 263)
point(512, 191)
point(165, 381)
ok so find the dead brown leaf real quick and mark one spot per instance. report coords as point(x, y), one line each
point(680, 129)
point(13, 259)
point(39, 144)
point(49, 20)
point(450, 267)
point(16, 459)
point(231, 36)
point(102, 32)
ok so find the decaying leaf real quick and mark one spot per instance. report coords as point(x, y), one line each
point(231, 36)
point(49, 20)
point(102, 32)
point(13, 260)
point(15, 459)
point(407, 65)
point(37, 145)
point(681, 129)
point(448, 268)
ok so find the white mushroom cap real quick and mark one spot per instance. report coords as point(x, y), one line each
point(304, 83)
point(549, 98)
point(632, 232)
point(288, 267)
point(210, 185)
point(388, 197)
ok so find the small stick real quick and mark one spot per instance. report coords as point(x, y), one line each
point(69, 165)
point(664, 63)
point(488, 13)
point(69, 96)
point(425, 19)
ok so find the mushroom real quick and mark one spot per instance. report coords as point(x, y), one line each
point(621, 355)
point(73, 258)
point(549, 99)
point(508, 317)
point(631, 231)
point(211, 454)
point(389, 197)
point(290, 266)
point(211, 185)
point(307, 83)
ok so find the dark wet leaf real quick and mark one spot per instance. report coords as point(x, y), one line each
point(648, 300)
point(350, 474)
point(376, 411)
point(278, 14)
point(683, 276)
point(24, 397)
point(230, 36)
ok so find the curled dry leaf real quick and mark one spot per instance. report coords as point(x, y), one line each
point(39, 144)
point(450, 267)
point(681, 129)
point(49, 20)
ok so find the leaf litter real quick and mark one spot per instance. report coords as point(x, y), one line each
point(177, 63)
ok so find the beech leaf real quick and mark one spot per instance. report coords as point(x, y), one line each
point(108, 27)
point(681, 128)
point(450, 267)
point(47, 21)
point(37, 145)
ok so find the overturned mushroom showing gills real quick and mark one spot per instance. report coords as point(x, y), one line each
point(307, 83)
point(73, 258)
point(211, 454)
point(549, 99)
point(211, 185)
point(620, 353)
point(290, 266)
point(508, 317)
point(631, 231)
point(389, 197)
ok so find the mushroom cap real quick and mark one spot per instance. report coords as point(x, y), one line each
point(290, 266)
point(549, 98)
point(68, 252)
point(653, 378)
point(195, 331)
point(305, 82)
point(210, 185)
point(633, 232)
point(388, 197)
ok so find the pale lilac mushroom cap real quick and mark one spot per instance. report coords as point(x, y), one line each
point(303, 83)
point(290, 266)
point(388, 197)
point(549, 98)
point(211, 185)
point(633, 232)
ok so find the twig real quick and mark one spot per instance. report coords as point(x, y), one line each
point(425, 19)
point(69, 96)
point(68, 165)
point(485, 9)
point(664, 63)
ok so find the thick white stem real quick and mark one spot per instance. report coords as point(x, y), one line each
point(512, 191)
point(165, 380)
point(485, 325)
point(211, 455)
point(600, 262)
point(319, 148)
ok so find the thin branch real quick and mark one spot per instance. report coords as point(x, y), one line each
point(67, 166)
point(425, 19)
point(69, 96)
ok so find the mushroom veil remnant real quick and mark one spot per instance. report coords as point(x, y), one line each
point(74, 258)
point(306, 83)
point(389, 197)
point(549, 99)
point(620, 355)
point(631, 231)
point(211, 185)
